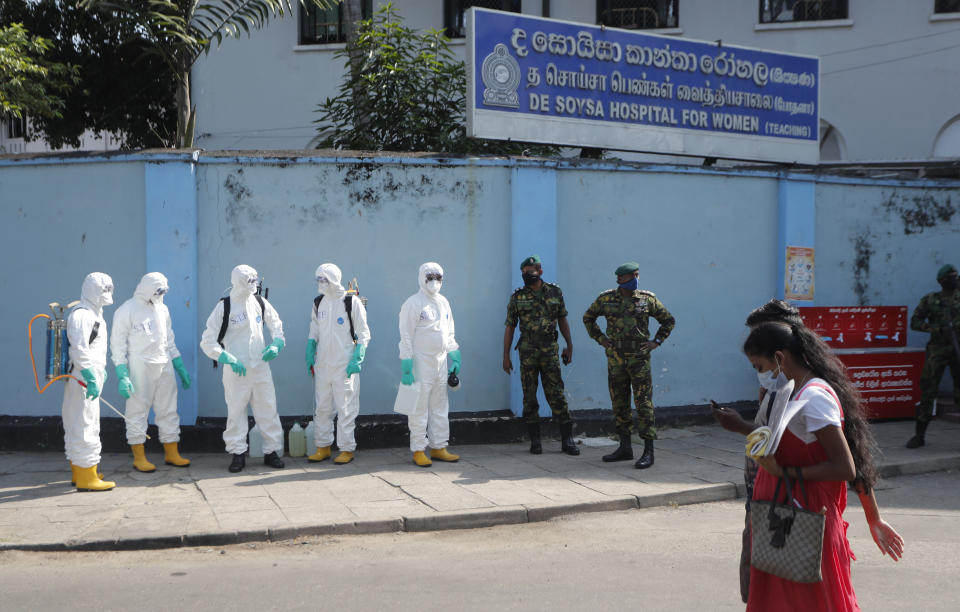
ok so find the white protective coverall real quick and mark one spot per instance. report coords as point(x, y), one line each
point(426, 336)
point(244, 340)
point(334, 390)
point(142, 338)
point(81, 416)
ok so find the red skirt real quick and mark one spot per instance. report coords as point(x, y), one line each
point(835, 592)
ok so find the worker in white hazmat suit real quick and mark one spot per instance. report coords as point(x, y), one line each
point(336, 347)
point(145, 357)
point(87, 334)
point(246, 374)
point(428, 354)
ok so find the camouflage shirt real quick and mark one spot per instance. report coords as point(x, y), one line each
point(628, 317)
point(537, 312)
point(934, 314)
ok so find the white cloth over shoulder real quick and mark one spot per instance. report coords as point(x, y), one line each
point(776, 412)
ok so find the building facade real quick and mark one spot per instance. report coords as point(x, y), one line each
point(890, 73)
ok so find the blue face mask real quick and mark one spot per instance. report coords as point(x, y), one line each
point(630, 285)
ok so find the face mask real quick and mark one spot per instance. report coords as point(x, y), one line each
point(433, 287)
point(322, 284)
point(107, 296)
point(631, 285)
point(771, 381)
point(530, 278)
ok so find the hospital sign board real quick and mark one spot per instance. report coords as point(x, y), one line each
point(557, 82)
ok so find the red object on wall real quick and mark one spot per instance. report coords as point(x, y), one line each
point(888, 381)
point(858, 327)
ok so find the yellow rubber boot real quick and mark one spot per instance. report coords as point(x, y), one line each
point(171, 455)
point(442, 454)
point(87, 480)
point(344, 457)
point(421, 459)
point(73, 473)
point(323, 452)
point(140, 459)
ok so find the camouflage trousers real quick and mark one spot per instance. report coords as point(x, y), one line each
point(624, 372)
point(939, 358)
point(542, 364)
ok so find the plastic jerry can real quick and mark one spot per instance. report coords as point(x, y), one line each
point(297, 441)
point(255, 442)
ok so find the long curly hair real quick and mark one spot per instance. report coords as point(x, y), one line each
point(767, 338)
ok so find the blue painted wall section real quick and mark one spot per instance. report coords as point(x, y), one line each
point(171, 248)
point(533, 230)
point(796, 226)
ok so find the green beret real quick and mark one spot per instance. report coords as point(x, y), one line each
point(533, 260)
point(628, 268)
point(942, 272)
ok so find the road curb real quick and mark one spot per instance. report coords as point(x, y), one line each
point(443, 521)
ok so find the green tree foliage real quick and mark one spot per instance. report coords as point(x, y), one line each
point(404, 91)
point(179, 31)
point(29, 81)
point(122, 89)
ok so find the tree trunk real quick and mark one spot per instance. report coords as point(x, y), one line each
point(352, 14)
point(185, 112)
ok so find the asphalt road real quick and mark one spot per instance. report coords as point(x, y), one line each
point(681, 558)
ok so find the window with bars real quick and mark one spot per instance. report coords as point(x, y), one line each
point(454, 19)
point(785, 11)
point(946, 6)
point(639, 14)
point(324, 26)
point(16, 128)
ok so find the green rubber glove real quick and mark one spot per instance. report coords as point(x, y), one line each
point(311, 353)
point(270, 353)
point(93, 389)
point(359, 350)
point(406, 366)
point(124, 386)
point(454, 358)
point(181, 371)
point(234, 364)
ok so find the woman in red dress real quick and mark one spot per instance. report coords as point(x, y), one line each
point(830, 440)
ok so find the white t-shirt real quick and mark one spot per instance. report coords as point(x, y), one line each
point(822, 409)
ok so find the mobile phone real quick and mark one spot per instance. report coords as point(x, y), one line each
point(717, 406)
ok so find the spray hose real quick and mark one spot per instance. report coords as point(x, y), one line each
point(36, 377)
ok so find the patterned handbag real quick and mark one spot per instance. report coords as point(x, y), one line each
point(787, 539)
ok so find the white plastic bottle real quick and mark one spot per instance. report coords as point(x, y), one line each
point(256, 442)
point(297, 441)
point(309, 437)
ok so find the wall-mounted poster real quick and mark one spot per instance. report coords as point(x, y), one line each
point(798, 277)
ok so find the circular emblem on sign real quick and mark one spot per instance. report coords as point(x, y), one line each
point(501, 77)
point(340, 320)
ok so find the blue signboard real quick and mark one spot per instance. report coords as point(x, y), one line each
point(543, 80)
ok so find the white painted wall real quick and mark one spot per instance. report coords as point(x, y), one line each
point(890, 76)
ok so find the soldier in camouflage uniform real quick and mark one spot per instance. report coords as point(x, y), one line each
point(939, 314)
point(627, 310)
point(538, 308)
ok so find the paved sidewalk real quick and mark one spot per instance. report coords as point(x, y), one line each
point(382, 491)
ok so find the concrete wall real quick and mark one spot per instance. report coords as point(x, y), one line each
point(58, 222)
point(889, 75)
point(708, 242)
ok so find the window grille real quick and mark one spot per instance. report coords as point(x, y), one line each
point(454, 19)
point(639, 14)
point(785, 11)
point(324, 26)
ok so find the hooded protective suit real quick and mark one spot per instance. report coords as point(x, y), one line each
point(426, 336)
point(335, 390)
point(244, 341)
point(81, 415)
point(142, 338)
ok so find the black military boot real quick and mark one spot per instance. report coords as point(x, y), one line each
point(567, 443)
point(533, 430)
point(272, 460)
point(917, 440)
point(646, 459)
point(623, 453)
point(239, 462)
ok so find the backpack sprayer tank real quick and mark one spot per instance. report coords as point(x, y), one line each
point(57, 345)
